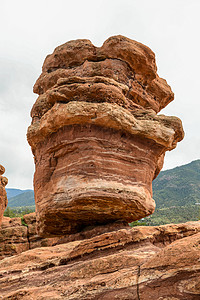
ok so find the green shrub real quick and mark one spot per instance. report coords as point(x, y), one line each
point(23, 222)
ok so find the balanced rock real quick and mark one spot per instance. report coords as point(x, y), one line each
point(96, 137)
point(3, 195)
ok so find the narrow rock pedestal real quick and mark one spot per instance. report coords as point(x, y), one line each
point(3, 195)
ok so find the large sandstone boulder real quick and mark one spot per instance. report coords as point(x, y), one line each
point(140, 263)
point(96, 137)
point(3, 195)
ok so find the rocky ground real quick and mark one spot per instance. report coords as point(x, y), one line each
point(103, 262)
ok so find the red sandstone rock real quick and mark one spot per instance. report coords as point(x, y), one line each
point(34, 240)
point(95, 135)
point(173, 273)
point(159, 262)
point(119, 59)
point(13, 237)
point(16, 237)
point(3, 195)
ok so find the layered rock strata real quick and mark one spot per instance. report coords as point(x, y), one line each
point(139, 263)
point(19, 234)
point(96, 137)
point(13, 237)
point(3, 195)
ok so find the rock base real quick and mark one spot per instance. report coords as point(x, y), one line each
point(145, 263)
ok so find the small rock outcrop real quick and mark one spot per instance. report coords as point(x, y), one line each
point(19, 234)
point(13, 237)
point(96, 137)
point(3, 195)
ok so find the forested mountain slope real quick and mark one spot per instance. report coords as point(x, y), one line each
point(178, 187)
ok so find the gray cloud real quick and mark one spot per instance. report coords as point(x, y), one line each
point(32, 29)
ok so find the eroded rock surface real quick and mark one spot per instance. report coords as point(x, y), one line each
point(121, 69)
point(19, 234)
point(96, 137)
point(138, 263)
point(13, 237)
point(3, 195)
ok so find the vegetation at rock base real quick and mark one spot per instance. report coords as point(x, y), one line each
point(23, 222)
point(18, 211)
point(167, 215)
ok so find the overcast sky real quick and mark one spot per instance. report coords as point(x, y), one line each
point(32, 29)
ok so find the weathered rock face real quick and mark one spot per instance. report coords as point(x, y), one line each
point(13, 237)
point(3, 195)
point(96, 137)
point(174, 273)
point(121, 70)
point(140, 263)
point(34, 240)
point(18, 235)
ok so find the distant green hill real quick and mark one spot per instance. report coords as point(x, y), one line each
point(178, 187)
point(14, 192)
point(176, 193)
point(175, 214)
point(23, 199)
